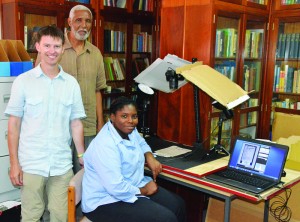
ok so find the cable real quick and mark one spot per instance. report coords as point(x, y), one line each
point(279, 209)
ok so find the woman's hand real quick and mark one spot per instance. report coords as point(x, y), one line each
point(154, 165)
point(149, 189)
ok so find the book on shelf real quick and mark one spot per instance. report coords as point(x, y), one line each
point(226, 41)
point(282, 45)
point(143, 5)
point(142, 42)
point(287, 46)
point(113, 68)
point(141, 64)
point(115, 3)
point(250, 76)
point(292, 50)
point(227, 68)
point(114, 41)
point(289, 80)
point(253, 43)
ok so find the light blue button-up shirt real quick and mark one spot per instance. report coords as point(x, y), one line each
point(46, 107)
point(114, 168)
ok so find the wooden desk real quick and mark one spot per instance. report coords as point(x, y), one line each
point(195, 178)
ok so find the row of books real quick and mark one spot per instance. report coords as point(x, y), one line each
point(143, 5)
point(253, 43)
point(80, 1)
point(142, 42)
point(114, 41)
point(114, 68)
point(290, 2)
point(262, 2)
point(226, 42)
point(115, 3)
point(251, 78)
point(287, 104)
point(288, 46)
point(227, 68)
point(286, 79)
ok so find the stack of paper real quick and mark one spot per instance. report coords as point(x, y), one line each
point(172, 151)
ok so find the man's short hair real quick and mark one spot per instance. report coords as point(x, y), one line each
point(79, 8)
point(52, 31)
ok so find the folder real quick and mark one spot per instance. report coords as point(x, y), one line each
point(216, 85)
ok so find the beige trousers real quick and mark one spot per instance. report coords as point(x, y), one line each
point(33, 193)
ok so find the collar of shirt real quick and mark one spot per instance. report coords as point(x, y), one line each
point(118, 139)
point(87, 45)
point(38, 72)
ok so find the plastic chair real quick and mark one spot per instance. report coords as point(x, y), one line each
point(74, 196)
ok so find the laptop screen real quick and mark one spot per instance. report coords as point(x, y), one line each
point(258, 157)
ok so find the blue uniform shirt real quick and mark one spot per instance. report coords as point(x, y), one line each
point(46, 107)
point(114, 168)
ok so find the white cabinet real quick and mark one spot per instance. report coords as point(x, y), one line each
point(7, 190)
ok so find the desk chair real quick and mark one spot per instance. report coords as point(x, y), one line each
point(74, 196)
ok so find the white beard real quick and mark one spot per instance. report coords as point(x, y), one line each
point(80, 37)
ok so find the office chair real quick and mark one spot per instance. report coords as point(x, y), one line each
point(74, 196)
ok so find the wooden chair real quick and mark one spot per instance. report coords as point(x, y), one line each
point(74, 196)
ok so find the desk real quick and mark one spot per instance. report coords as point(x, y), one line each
point(194, 178)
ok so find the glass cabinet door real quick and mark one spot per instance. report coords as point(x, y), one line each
point(252, 76)
point(226, 50)
point(286, 85)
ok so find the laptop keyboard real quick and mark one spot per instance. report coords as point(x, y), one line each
point(257, 182)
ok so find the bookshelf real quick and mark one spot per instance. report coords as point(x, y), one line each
point(231, 39)
point(27, 19)
point(27, 16)
point(119, 26)
point(283, 94)
point(127, 36)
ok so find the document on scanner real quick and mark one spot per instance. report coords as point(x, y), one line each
point(154, 75)
point(171, 151)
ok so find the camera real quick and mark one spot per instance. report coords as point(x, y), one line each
point(173, 78)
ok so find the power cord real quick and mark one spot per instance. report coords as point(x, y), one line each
point(279, 209)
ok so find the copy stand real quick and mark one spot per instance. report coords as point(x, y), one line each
point(218, 148)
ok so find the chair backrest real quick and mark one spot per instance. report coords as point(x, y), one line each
point(74, 194)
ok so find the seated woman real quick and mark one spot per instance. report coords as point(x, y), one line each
point(114, 186)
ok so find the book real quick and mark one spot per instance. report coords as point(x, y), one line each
point(287, 46)
point(216, 85)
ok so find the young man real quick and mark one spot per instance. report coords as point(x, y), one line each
point(44, 109)
point(84, 61)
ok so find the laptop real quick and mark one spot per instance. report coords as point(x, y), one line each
point(254, 165)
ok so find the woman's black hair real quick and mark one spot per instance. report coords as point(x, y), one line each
point(119, 104)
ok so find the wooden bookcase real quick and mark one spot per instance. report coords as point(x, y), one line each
point(196, 37)
point(282, 93)
point(24, 16)
point(128, 35)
